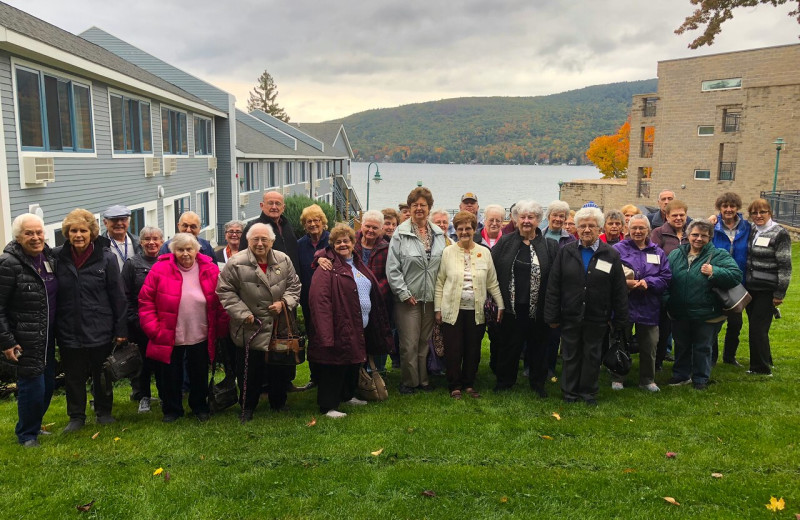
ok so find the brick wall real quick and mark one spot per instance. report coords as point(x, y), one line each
point(606, 193)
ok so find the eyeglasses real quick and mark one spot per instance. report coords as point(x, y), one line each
point(314, 221)
point(494, 221)
point(698, 235)
point(260, 240)
point(761, 212)
point(233, 232)
point(273, 203)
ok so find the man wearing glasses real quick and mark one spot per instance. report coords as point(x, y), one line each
point(117, 220)
point(272, 215)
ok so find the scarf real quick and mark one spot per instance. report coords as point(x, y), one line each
point(490, 241)
point(536, 282)
point(80, 258)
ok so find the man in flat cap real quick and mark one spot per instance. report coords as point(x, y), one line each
point(117, 220)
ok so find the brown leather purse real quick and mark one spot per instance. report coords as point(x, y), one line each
point(288, 348)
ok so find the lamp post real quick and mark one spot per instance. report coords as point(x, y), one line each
point(779, 142)
point(377, 178)
point(560, 184)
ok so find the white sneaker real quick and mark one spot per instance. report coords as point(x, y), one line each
point(652, 387)
point(333, 414)
point(616, 385)
point(144, 405)
point(356, 402)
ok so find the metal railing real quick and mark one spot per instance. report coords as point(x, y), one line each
point(348, 206)
point(649, 108)
point(647, 150)
point(727, 171)
point(785, 206)
point(731, 123)
point(644, 188)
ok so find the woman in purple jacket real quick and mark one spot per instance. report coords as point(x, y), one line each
point(651, 276)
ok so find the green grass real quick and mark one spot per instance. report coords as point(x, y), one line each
point(486, 458)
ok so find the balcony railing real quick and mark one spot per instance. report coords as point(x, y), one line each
point(785, 206)
point(647, 150)
point(644, 188)
point(731, 123)
point(649, 108)
point(727, 171)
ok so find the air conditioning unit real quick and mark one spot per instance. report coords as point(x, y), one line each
point(316, 183)
point(244, 199)
point(286, 191)
point(152, 166)
point(38, 170)
point(307, 186)
point(212, 163)
point(170, 165)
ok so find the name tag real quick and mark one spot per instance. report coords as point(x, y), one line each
point(653, 259)
point(48, 267)
point(604, 266)
point(762, 241)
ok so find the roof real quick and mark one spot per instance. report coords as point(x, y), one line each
point(328, 133)
point(254, 136)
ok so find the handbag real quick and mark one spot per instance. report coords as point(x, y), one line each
point(285, 349)
point(617, 359)
point(124, 362)
point(221, 395)
point(371, 386)
point(733, 300)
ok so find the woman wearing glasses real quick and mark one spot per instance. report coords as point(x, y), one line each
point(233, 238)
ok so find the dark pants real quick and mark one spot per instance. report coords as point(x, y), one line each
point(553, 342)
point(140, 384)
point(462, 350)
point(759, 315)
point(336, 384)
point(731, 345)
point(78, 365)
point(692, 350)
point(261, 374)
point(312, 376)
point(495, 342)
point(519, 330)
point(664, 336)
point(33, 399)
point(581, 349)
point(172, 380)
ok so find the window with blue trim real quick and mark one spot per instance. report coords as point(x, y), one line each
point(272, 175)
point(202, 136)
point(204, 207)
point(288, 174)
point(180, 207)
point(174, 132)
point(249, 178)
point(130, 125)
point(55, 114)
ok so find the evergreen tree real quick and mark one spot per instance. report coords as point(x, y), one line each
point(262, 97)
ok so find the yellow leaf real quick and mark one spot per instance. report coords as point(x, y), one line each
point(313, 422)
point(546, 437)
point(116, 439)
point(672, 501)
point(46, 427)
point(776, 504)
point(159, 471)
point(202, 457)
point(376, 453)
point(629, 470)
point(95, 435)
point(558, 417)
point(716, 475)
point(504, 500)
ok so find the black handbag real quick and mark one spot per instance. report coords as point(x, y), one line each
point(617, 359)
point(222, 395)
point(124, 362)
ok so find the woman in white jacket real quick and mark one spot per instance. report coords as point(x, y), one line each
point(466, 274)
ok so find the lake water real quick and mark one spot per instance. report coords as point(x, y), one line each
point(502, 184)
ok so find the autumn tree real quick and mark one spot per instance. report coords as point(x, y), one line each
point(263, 97)
point(610, 152)
point(713, 13)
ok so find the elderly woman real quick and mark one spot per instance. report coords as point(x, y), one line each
point(523, 260)
point(414, 256)
point(181, 315)
point(570, 224)
point(612, 230)
point(556, 215)
point(769, 271)
point(697, 268)
point(390, 221)
point(347, 328)
point(628, 210)
point(28, 289)
point(315, 223)
point(587, 290)
point(465, 275)
point(650, 278)
point(441, 217)
point(134, 273)
point(493, 216)
point(233, 237)
point(91, 314)
point(255, 288)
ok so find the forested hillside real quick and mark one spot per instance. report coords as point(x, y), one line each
point(494, 130)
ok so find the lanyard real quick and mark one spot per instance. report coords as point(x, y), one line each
point(114, 243)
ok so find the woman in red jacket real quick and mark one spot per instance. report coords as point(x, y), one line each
point(350, 321)
point(180, 313)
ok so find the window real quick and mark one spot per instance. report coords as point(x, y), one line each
point(319, 169)
point(180, 206)
point(705, 130)
point(289, 174)
point(272, 175)
point(202, 136)
point(328, 169)
point(204, 208)
point(54, 113)
point(130, 125)
point(727, 171)
point(302, 166)
point(137, 221)
point(702, 175)
point(173, 132)
point(721, 84)
point(60, 239)
point(649, 107)
point(730, 121)
point(249, 178)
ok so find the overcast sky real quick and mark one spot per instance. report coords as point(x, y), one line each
point(331, 59)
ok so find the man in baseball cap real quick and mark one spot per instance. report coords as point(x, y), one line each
point(117, 220)
point(469, 202)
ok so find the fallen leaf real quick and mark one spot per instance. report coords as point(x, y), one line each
point(720, 440)
point(428, 493)
point(124, 429)
point(504, 500)
point(716, 475)
point(776, 504)
point(376, 453)
point(672, 501)
point(629, 470)
point(671, 454)
point(159, 471)
point(202, 457)
point(558, 417)
point(95, 435)
point(85, 507)
point(167, 476)
point(117, 439)
point(312, 422)
point(46, 427)
point(546, 437)
point(411, 430)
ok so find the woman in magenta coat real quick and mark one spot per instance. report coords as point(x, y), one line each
point(180, 313)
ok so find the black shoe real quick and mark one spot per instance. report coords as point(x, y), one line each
point(31, 443)
point(203, 416)
point(499, 389)
point(754, 373)
point(169, 418)
point(427, 388)
point(659, 367)
point(591, 402)
point(247, 416)
point(74, 425)
point(406, 390)
point(541, 392)
point(669, 358)
point(732, 362)
point(700, 386)
point(570, 400)
point(105, 419)
point(679, 381)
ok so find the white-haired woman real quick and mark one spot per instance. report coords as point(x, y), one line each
point(557, 214)
point(523, 260)
point(493, 216)
point(180, 313)
point(587, 290)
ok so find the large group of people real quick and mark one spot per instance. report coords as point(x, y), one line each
point(410, 284)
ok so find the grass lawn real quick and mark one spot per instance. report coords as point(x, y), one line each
point(496, 457)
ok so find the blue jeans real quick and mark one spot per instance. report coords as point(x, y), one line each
point(33, 399)
point(693, 341)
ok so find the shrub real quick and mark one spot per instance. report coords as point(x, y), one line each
point(295, 205)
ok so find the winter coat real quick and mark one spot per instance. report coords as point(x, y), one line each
point(409, 269)
point(244, 290)
point(666, 238)
point(338, 337)
point(450, 282)
point(565, 239)
point(285, 239)
point(504, 253)
point(24, 310)
point(737, 247)
point(134, 272)
point(377, 264)
point(160, 299)
point(689, 296)
point(648, 264)
point(772, 261)
point(91, 306)
point(596, 295)
point(305, 252)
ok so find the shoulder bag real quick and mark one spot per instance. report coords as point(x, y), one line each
point(733, 300)
point(617, 359)
point(222, 395)
point(371, 387)
point(288, 348)
point(124, 362)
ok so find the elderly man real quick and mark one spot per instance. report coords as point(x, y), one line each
point(658, 218)
point(586, 290)
point(28, 289)
point(272, 207)
point(117, 220)
point(190, 223)
point(469, 202)
point(234, 231)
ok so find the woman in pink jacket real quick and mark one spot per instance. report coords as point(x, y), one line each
point(180, 313)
